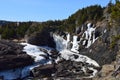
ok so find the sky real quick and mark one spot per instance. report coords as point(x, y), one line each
point(43, 10)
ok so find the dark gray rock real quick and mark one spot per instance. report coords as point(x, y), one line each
point(78, 30)
point(44, 70)
point(62, 70)
point(54, 54)
point(12, 56)
point(100, 52)
point(42, 38)
point(98, 32)
point(72, 69)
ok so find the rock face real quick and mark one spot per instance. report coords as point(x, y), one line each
point(105, 50)
point(100, 50)
point(100, 53)
point(65, 69)
point(110, 71)
point(12, 56)
point(42, 38)
point(44, 71)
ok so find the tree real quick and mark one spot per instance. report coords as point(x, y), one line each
point(8, 33)
point(115, 14)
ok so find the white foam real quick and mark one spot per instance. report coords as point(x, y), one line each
point(75, 43)
point(60, 42)
point(89, 35)
point(68, 37)
point(66, 54)
point(33, 51)
point(94, 72)
point(105, 31)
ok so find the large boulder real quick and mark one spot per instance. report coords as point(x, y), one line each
point(43, 71)
point(42, 38)
point(12, 55)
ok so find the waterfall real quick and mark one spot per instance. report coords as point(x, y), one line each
point(75, 43)
point(68, 43)
point(65, 44)
point(89, 36)
point(35, 52)
point(60, 42)
point(68, 37)
point(90, 31)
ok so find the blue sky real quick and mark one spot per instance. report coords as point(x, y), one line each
point(42, 10)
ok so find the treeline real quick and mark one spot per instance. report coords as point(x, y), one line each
point(115, 12)
point(18, 30)
point(91, 13)
point(14, 30)
point(94, 13)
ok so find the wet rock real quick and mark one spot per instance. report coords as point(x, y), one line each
point(43, 50)
point(44, 70)
point(88, 71)
point(62, 70)
point(54, 54)
point(12, 56)
point(71, 69)
point(45, 56)
point(75, 56)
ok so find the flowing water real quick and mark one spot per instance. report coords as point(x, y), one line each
point(62, 47)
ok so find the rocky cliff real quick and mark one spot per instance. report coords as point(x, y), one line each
point(105, 50)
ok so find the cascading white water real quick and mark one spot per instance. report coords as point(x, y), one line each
point(34, 52)
point(62, 47)
point(89, 35)
point(68, 37)
point(94, 37)
point(68, 43)
point(66, 53)
point(60, 42)
point(75, 43)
